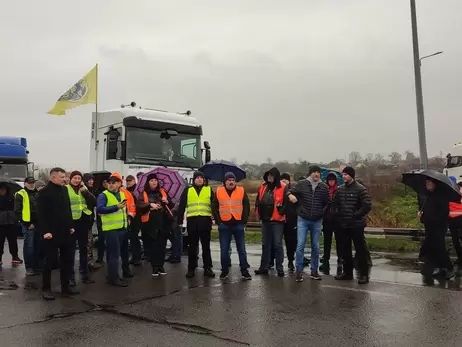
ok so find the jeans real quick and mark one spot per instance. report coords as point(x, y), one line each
point(116, 240)
point(225, 234)
point(80, 236)
point(314, 228)
point(29, 249)
point(177, 243)
point(271, 233)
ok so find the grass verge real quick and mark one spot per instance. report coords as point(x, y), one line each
point(253, 236)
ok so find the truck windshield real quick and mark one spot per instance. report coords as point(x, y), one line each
point(13, 171)
point(455, 161)
point(146, 146)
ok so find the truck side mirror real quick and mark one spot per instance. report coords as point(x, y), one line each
point(112, 143)
point(208, 155)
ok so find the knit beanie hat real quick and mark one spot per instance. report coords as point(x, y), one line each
point(314, 168)
point(151, 176)
point(349, 171)
point(229, 175)
point(75, 173)
point(198, 174)
point(285, 176)
point(86, 177)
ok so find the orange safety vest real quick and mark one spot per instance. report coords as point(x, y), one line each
point(145, 217)
point(230, 206)
point(278, 196)
point(455, 209)
point(131, 208)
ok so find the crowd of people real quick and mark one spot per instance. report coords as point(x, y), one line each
point(58, 216)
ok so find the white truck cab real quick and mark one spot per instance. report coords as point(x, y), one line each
point(131, 139)
point(454, 162)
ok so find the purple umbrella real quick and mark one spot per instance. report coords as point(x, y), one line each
point(171, 180)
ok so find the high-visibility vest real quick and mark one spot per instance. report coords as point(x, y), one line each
point(230, 206)
point(130, 201)
point(116, 220)
point(78, 204)
point(145, 217)
point(278, 196)
point(25, 205)
point(199, 205)
point(455, 209)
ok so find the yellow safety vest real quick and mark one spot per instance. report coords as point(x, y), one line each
point(25, 205)
point(199, 205)
point(78, 204)
point(116, 220)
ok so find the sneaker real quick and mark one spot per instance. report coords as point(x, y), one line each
point(72, 283)
point(344, 277)
point(299, 276)
point(291, 267)
point(315, 276)
point(261, 272)
point(69, 291)
point(88, 281)
point(48, 295)
point(281, 273)
point(190, 274)
point(155, 273)
point(246, 275)
point(224, 275)
point(162, 271)
point(209, 273)
point(16, 261)
point(363, 280)
point(30, 272)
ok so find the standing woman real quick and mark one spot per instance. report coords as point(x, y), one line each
point(155, 207)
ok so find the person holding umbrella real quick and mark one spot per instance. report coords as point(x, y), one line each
point(154, 208)
point(435, 192)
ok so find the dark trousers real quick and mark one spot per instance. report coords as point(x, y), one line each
point(194, 235)
point(177, 243)
point(271, 234)
point(157, 241)
point(50, 249)
point(9, 232)
point(433, 248)
point(455, 226)
point(117, 249)
point(80, 236)
point(356, 235)
point(133, 236)
point(290, 238)
point(101, 239)
point(328, 229)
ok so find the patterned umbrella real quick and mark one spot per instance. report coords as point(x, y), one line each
point(169, 179)
point(325, 171)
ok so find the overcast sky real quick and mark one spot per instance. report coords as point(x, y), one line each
point(268, 78)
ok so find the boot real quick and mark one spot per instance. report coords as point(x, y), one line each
point(209, 273)
point(48, 295)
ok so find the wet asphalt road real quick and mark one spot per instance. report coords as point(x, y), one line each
point(395, 309)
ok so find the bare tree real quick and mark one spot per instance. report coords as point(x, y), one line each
point(395, 158)
point(354, 158)
point(379, 159)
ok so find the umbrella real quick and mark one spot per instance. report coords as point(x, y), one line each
point(171, 180)
point(325, 171)
point(215, 170)
point(13, 186)
point(416, 181)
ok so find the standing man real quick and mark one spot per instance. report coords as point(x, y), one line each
point(135, 225)
point(56, 224)
point(290, 226)
point(197, 201)
point(88, 180)
point(25, 208)
point(112, 205)
point(231, 210)
point(312, 196)
point(270, 207)
point(82, 204)
point(351, 205)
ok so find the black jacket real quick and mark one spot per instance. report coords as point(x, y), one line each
point(158, 219)
point(351, 205)
point(54, 211)
point(435, 208)
point(18, 205)
point(311, 204)
point(291, 210)
point(245, 211)
point(7, 216)
point(265, 204)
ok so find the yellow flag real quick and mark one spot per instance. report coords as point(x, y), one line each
point(83, 92)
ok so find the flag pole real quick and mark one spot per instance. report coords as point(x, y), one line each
point(96, 111)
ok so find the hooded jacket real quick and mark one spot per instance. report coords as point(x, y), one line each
point(329, 215)
point(265, 204)
point(7, 215)
point(312, 203)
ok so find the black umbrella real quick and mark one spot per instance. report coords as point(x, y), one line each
point(416, 181)
point(12, 185)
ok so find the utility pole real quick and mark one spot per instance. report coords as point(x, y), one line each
point(418, 91)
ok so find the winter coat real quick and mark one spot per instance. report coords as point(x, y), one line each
point(351, 205)
point(311, 204)
point(7, 215)
point(265, 204)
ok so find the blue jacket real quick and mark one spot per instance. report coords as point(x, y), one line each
point(101, 203)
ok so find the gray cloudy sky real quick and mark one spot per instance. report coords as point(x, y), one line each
point(291, 79)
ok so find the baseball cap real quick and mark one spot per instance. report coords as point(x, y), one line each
point(115, 176)
point(29, 179)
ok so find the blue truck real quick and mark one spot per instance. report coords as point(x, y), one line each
point(14, 159)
